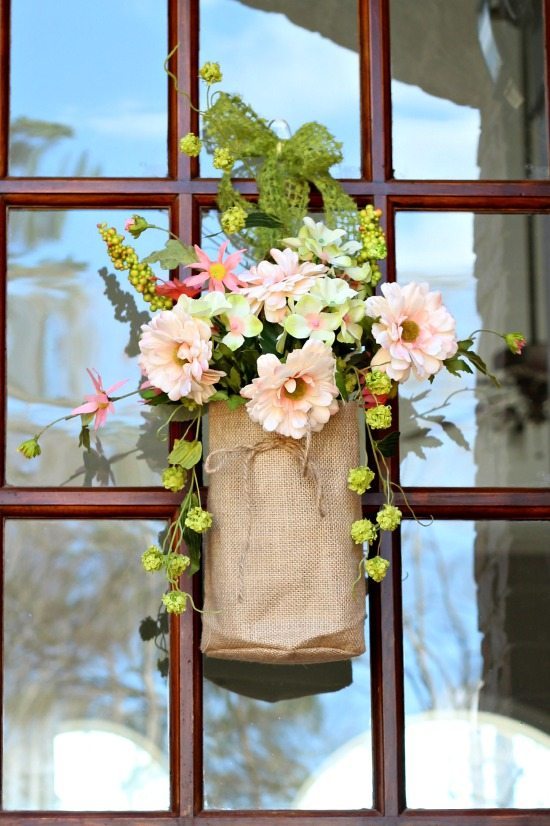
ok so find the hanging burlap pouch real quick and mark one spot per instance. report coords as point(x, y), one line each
point(279, 563)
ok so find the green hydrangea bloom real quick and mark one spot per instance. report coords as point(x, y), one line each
point(378, 383)
point(363, 530)
point(152, 559)
point(211, 72)
point(176, 564)
point(30, 448)
point(388, 517)
point(198, 520)
point(173, 478)
point(233, 220)
point(175, 602)
point(223, 159)
point(191, 145)
point(360, 479)
point(379, 417)
point(377, 568)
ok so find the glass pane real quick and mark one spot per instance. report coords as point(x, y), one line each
point(476, 617)
point(90, 98)
point(295, 62)
point(61, 320)
point(492, 271)
point(263, 751)
point(469, 89)
point(85, 708)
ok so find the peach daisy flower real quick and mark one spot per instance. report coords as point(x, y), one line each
point(175, 353)
point(297, 397)
point(219, 273)
point(270, 285)
point(414, 329)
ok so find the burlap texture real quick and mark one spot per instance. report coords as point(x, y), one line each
point(279, 578)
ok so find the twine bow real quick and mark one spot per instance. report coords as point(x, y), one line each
point(216, 460)
point(283, 169)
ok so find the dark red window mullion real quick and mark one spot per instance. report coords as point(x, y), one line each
point(376, 52)
point(4, 86)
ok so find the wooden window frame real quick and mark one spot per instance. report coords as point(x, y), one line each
point(185, 194)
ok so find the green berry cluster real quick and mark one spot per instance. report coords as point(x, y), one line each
point(140, 275)
point(373, 240)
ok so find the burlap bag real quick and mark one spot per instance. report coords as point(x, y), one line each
point(279, 576)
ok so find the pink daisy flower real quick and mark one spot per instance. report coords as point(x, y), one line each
point(98, 402)
point(219, 273)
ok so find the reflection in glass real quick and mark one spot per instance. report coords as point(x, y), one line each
point(476, 614)
point(264, 751)
point(468, 89)
point(85, 709)
point(61, 321)
point(295, 62)
point(493, 273)
point(77, 108)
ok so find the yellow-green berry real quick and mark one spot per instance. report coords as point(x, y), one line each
point(233, 220)
point(30, 448)
point(191, 145)
point(379, 417)
point(175, 602)
point(198, 520)
point(152, 559)
point(173, 478)
point(350, 382)
point(176, 564)
point(377, 568)
point(363, 530)
point(388, 517)
point(360, 479)
point(223, 159)
point(379, 383)
point(211, 72)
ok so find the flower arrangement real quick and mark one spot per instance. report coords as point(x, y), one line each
point(291, 336)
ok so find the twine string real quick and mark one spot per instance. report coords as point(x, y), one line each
point(299, 449)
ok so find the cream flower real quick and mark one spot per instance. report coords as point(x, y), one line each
point(414, 330)
point(270, 285)
point(175, 354)
point(295, 398)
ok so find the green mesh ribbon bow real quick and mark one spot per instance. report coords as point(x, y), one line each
point(283, 169)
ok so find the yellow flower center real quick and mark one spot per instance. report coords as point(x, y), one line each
point(294, 389)
point(410, 330)
point(218, 271)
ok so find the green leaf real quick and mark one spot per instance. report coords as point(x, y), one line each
point(219, 396)
point(234, 379)
point(262, 219)
point(456, 366)
point(192, 542)
point(173, 255)
point(341, 384)
point(388, 444)
point(185, 453)
point(480, 365)
point(233, 402)
point(269, 336)
point(84, 437)
point(465, 344)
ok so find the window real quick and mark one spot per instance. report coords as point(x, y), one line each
point(442, 107)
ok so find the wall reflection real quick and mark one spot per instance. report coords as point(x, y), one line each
point(468, 89)
point(74, 664)
point(476, 688)
point(493, 273)
point(61, 320)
